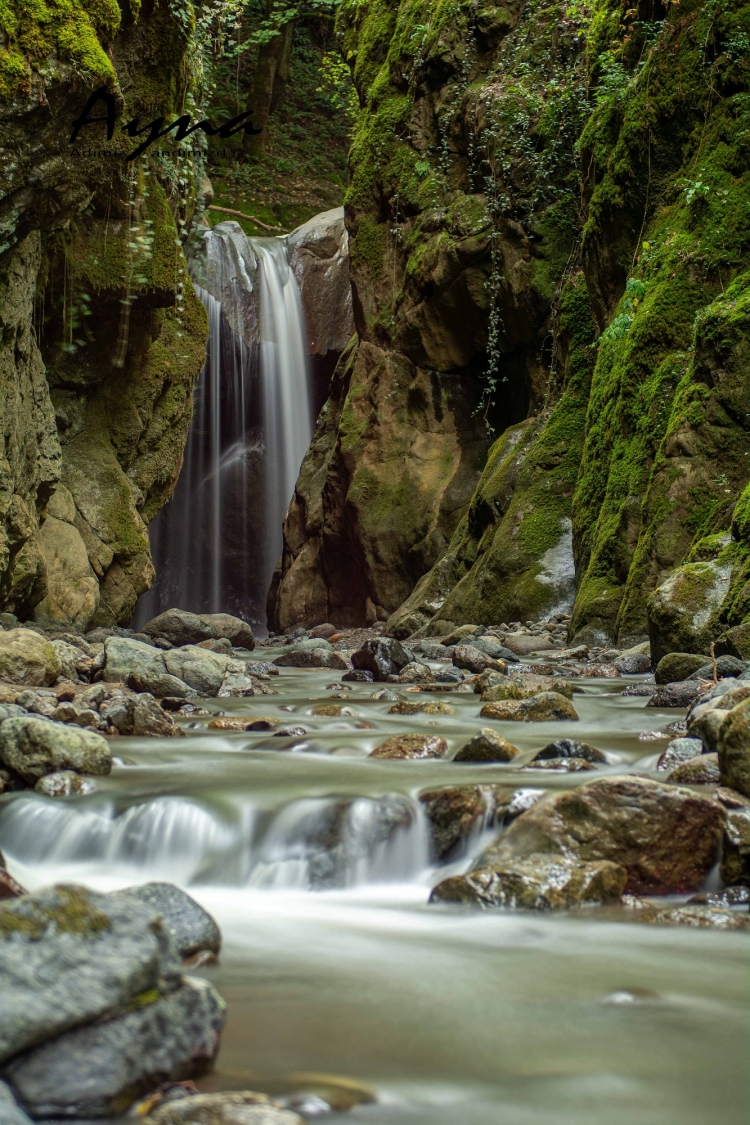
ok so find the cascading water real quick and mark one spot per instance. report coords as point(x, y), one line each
point(217, 541)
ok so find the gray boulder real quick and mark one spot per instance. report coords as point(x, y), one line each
point(69, 955)
point(183, 628)
point(140, 716)
point(99, 1069)
point(311, 658)
point(733, 747)
point(383, 656)
point(200, 668)
point(192, 928)
point(470, 658)
point(487, 746)
point(491, 648)
point(124, 657)
point(676, 695)
point(726, 666)
point(230, 628)
point(570, 748)
point(735, 851)
point(633, 664)
point(26, 657)
point(160, 685)
point(679, 750)
point(33, 747)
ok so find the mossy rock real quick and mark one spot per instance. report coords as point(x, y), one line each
point(676, 666)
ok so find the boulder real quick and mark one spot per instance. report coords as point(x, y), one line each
point(97, 1070)
point(664, 836)
point(140, 716)
point(633, 664)
point(461, 634)
point(676, 695)
point(679, 750)
point(124, 657)
point(226, 627)
point(567, 765)
point(69, 956)
point(411, 746)
point(383, 656)
point(536, 882)
point(733, 748)
point(472, 660)
point(676, 666)
point(735, 642)
point(325, 631)
point(570, 748)
point(699, 916)
point(517, 687)
point(703, 770)
point(312, 658)
point(238, 685)
point(601, 672)
point(524, 644)
point(735, 851)
point(416, 673)
point(64, 783)
point(26, 657)
point(191, 927)
point(10, 1111)
point(200, 668)
point(547, 706)
point(35, 746)
point(69, 659)
point(228, 1108)
point(159, 684)
point(183, 628)
point(487, 746)
point(458, 812)
point(360, 676)
point(704, 722)
point(727, 667)
point(490, 648)
point(683, 611)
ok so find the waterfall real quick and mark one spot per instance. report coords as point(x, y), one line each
point(215, 544)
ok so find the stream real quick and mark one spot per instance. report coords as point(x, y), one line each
point(315, 861)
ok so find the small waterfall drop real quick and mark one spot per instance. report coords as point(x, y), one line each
point(217, 541)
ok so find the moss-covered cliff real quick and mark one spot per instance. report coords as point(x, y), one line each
point(102, 336)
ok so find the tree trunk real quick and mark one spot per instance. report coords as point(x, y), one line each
point(271, 76)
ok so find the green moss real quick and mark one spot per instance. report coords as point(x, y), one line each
point(72, 913)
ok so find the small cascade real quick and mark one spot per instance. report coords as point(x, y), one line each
point(216, 543)
point(312, 844)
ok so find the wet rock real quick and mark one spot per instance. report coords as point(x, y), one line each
point(640, 689)
point(601, 671)
point(141, 716)
point(547, 706)
point(536, 882)
point(99, 1069)
point(633, 664)
point(311, 658)
point(124, 657)
point(679, 750)
point(735, 642)
point(515, 687)
point(701, 916)
point(705, 723)
point(682, 611)
point(703, 770)
point(10, 1111)
point(200, 669)
point(385, 694)
point(726, 666)
point(491, 648)
point(664, 836)
point(69, 955)
point(183, 628)
point(677, 666)
point(64, 783)
point(361, 676)
point(487, 746)
point(160, 685)
point(191, 927)
point(228, 1108)
point(290, 732)
point(26, 657)
point(238, 685)
point(523, 644)
point(735, 852)
point(472, 660)
point(458, 812)
point(730, 896)
point(568, 765)
point(383, 656)
point(411, 746)
point(731, 799)
point(571, 748)
point(416, 673)
point(676, 695)
point(35, 746)
point(733, 748)
point(488, 679)
point(449, 676)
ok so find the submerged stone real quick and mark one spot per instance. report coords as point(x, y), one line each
point(456, 812)
point(571, 748)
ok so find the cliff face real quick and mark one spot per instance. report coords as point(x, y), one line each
point(597, 300)
point(102, 335)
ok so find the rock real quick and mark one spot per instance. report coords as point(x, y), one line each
point(34, 747)
point(10, 1112)
point(319, 258)
point(383, 656)
point(632, 664)
point(730, 799)
point(488, 679)
point(737, 895)
point(192, 928)
point(487, 746)
point(726, 667)
point(385, 694)
point(471, 659)
point(69, 956)
point(679, 750)
point(237, 685)
point(675, 695)
point(449, 676)
point(733, 748)
point(491, 648)
point(325, 631)
point(360, 676)
point(536, 882)
point(640, 689)
point(601, 672)
point(222, 646)
point(703, 770)
point(69, 658)
point(228, 1108)
point(415, 673)
point(547, 706)
point(199, 668)
point(225, 627)
point(64, 783)
point(458, 812)
point(665, 837)
point(160, 684)
point(99, 1069)
point(735, 851)
point(515, 687)
point(568, 765)
point(142, 717)
point(571, 748)
point(677, 666)
point(311, 643)
point(27, 657)
point(734, 642)
point(38, 702)
point(696, 916)
point(459, 635)
point(682, 611)
point(437, 707)
point(524, 645)
point(124, 657)
point(312, 658)
point(411, 746)
point(183, 628)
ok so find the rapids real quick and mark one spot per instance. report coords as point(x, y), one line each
point(315, 861)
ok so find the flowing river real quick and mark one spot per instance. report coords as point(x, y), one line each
point(316, 863)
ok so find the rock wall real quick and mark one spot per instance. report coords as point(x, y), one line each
point(102, 337)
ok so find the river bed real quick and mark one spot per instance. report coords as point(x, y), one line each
point(333, 963)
